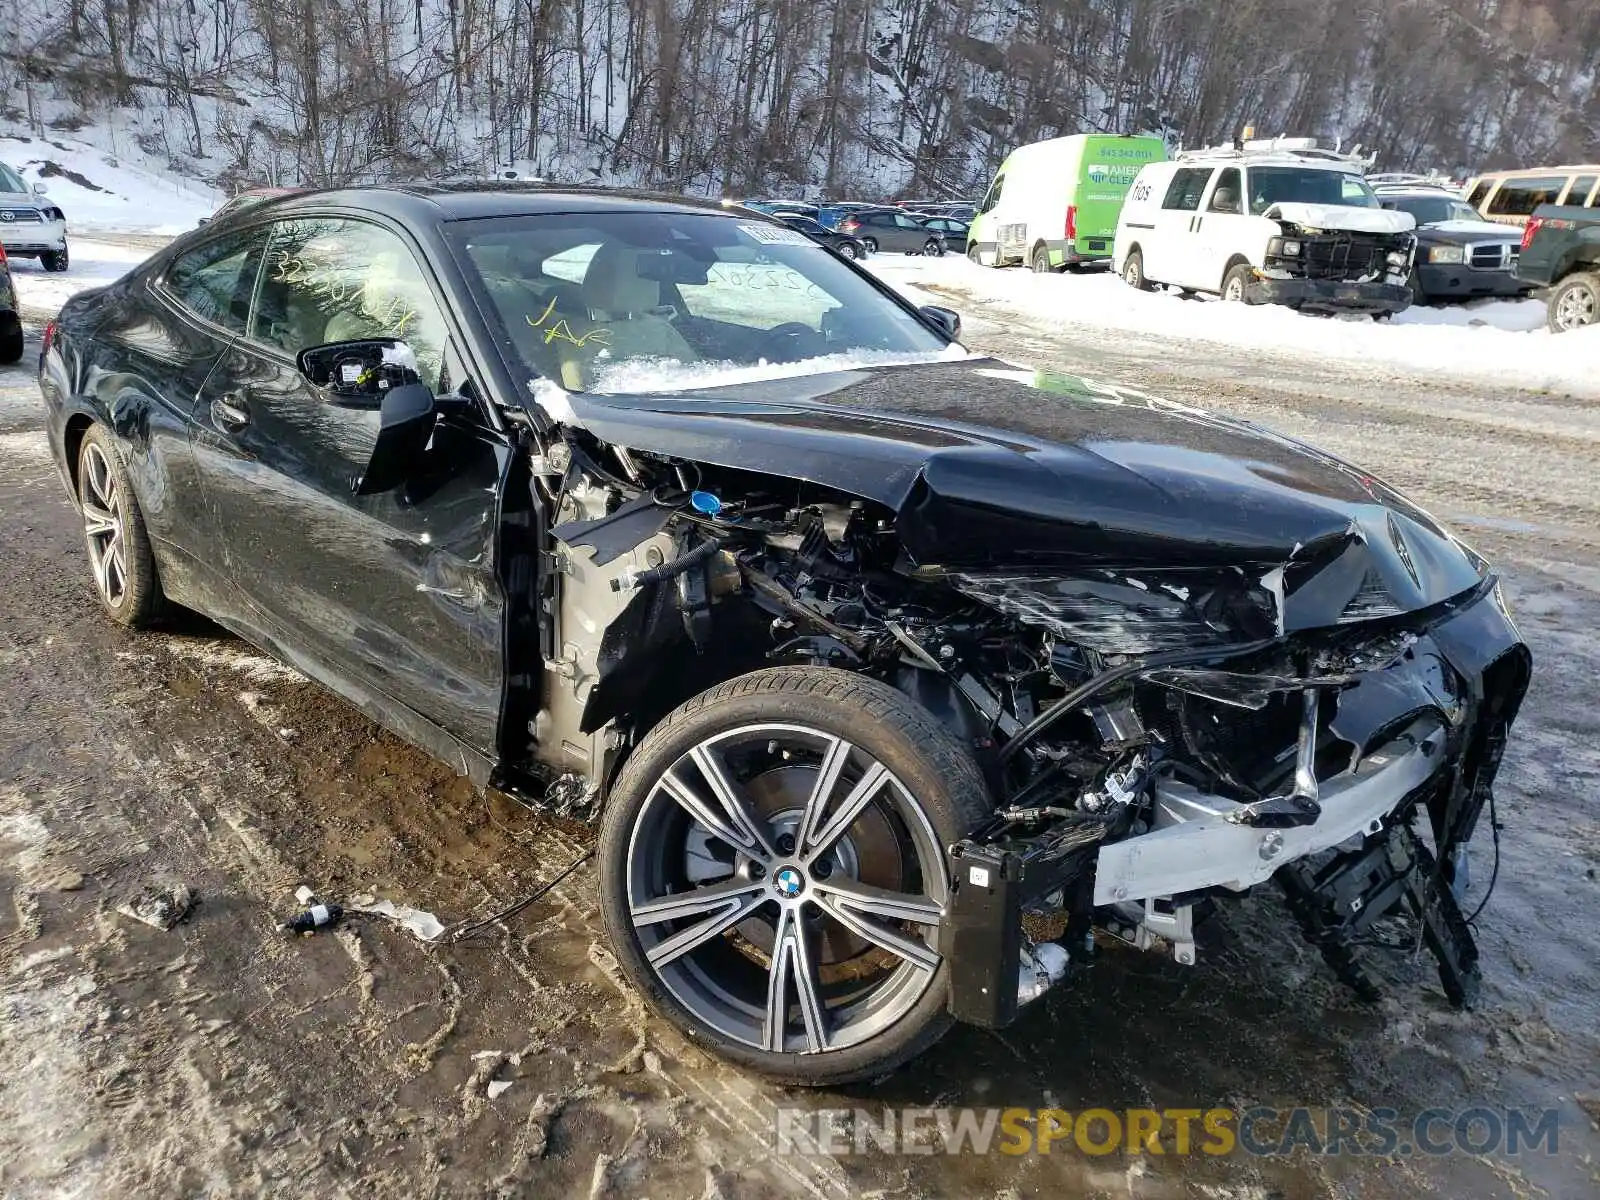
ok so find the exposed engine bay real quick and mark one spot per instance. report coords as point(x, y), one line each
point(1155, 739)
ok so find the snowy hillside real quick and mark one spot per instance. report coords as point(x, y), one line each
point(99, 191)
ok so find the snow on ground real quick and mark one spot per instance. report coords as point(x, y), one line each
point(94, 264)
point(99, 191)
point(1488, 340)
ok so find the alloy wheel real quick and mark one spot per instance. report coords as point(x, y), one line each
point(103, 527)
point(1576, 308)
point(785, 887)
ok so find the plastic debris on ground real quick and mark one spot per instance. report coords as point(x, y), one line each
point(159, 907)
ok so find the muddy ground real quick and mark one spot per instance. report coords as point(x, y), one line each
point(224, 1058)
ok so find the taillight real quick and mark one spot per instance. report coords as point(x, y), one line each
point(2, 254)
point(849, 226)
point(49, 335)
point(1072, 222)
point(1531, 228)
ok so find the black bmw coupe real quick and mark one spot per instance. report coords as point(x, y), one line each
point(857, 646)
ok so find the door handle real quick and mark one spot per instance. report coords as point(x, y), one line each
point(229, 412)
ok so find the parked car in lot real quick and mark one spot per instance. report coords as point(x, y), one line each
point(890, 229)
point(831, 214)
point(859, 647)
point(1054, 204)
point(953, 231)
point(841, 244)
point(1459, 254)
point(1561, 251)
point(31, 226)
point(1277, 222)
point(1510, 197)
point(10, 315)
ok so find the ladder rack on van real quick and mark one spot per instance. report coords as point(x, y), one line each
point(1289, 149)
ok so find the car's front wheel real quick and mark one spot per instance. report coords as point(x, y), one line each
point(848, 250)
point(1575, 302)
point(120, 559)
point(933, 247)
point(871, 244)
point(773, 871)
point(55, 260)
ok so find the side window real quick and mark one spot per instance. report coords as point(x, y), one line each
point(993, 197)
point(1479, 193)
point(336, 280)
point(1519, 197)
point(1354, 193)
point(1578, 193)
point(906, 223)
point(1225, 196)
point(1187, 186)
point(215, 281)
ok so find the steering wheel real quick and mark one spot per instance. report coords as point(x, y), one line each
point(788, 342)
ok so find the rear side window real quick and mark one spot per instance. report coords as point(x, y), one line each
point(1519, 197)
point(1186, 188)
point(1579, 191)
point(1480, 191)
point(216, 281)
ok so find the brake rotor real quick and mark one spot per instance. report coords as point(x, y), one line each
point(869, 852)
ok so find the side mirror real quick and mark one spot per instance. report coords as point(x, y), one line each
point(948, 320)
point(39, 189)
point(203, 221)
point(405, 423)
point(358, 374)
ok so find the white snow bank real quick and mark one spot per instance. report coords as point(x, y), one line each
point(638, 376)
point(1498, 341)
point(94, 264)
point(99, 192)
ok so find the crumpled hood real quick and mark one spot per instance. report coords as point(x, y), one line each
point(990, 466)
point(1341, 216)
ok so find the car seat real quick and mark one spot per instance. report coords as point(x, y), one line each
point(627, 318)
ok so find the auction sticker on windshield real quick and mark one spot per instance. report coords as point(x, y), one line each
point(776, 235)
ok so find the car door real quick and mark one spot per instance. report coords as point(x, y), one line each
point(1219, 231)
point(911, 235)
point(392, 599)
point(159, 341)
point(1171, 257)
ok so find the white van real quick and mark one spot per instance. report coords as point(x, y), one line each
point(1270, 222)
point(1054, 204)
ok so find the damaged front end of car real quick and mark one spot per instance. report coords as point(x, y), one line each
point(1166, 715)
point(1316, 264)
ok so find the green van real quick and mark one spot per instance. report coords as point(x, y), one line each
point(1054, 204)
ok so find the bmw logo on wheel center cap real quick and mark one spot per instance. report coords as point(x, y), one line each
point(788, 883)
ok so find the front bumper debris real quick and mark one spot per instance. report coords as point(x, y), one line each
point(1426, 732)
point(1331, 295)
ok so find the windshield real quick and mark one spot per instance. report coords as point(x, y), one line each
point(648, 301)
point(1429, 209)
point(1307, 185)
point(10, 181)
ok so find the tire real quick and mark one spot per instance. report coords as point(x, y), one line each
point(1236, 283)
point(972, 254)
point(886, 1001)
point(121, 564)
point(1133, 271)
point(1419, 298)
point(934, 247)
point(871, 244)
point(10, 338)
point(55, 260)
point(848, 250)
point(1041, 262)
point(1574, 302)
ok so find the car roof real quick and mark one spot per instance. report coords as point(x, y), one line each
point(469, 201)
point(1417, 191)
